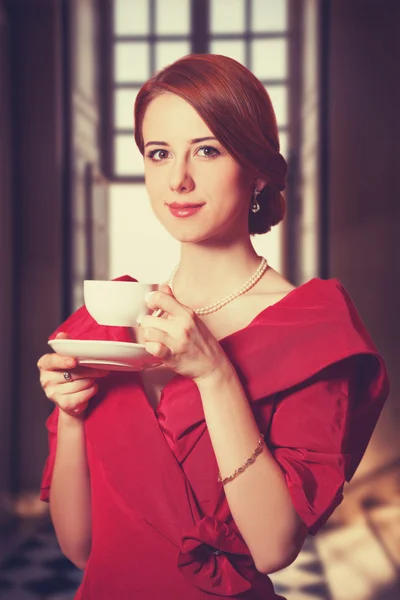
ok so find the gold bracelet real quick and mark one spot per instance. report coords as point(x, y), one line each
point(248, 462)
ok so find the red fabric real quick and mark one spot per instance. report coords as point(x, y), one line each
point(161, 523)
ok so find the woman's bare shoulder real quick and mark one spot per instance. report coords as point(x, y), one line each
point(273, 284)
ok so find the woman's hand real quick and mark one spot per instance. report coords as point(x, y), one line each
point(71, 395)
point(181, 340)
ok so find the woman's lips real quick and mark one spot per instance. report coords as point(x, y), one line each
point(184, 211)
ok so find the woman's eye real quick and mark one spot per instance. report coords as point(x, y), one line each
point(157, 155)
point(208, 151)
point(160, 154)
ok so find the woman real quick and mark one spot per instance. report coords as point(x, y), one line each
point(197, 479)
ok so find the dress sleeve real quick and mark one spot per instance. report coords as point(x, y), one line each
point(80, 325)
point(317, 438)
point(52, 427)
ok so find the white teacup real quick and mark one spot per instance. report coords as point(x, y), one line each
point(120, 303)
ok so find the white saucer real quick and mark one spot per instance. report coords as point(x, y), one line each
point(111, 356)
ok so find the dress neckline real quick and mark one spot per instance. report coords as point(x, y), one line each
point(225, 340)
point(268, 308)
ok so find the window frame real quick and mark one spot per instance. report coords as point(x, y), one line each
point(200, 37)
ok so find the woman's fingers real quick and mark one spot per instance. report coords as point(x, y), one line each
point(57, 363)
point(54, 388)
point(73, 387)
point(67, 384)
point(167, 303)
point(77, 402)
point(81, 373)
point(54, 361)
point(150, 322)
point(80, 409)
point(78, 394)
point(156, 342)
point(62, 335)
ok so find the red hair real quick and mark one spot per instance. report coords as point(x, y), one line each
point(237, 109)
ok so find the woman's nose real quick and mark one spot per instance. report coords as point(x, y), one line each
point(180, 178)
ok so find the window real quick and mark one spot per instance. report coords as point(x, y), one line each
point(256, 34)
point(149, 34)
point(146, 35)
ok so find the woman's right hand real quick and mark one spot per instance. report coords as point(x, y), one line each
point(71, 395)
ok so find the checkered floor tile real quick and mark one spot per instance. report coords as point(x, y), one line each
point(39, 571)
point(304, 579)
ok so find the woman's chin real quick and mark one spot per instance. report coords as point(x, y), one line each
point(187, 237)
point(187, 233)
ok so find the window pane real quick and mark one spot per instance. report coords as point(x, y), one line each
point(227, 16)
point(269, 15)
point(169, 52)
point(283, 140)
point(131, 61)
point(128, 160)
point(279, 99)
point(269, 59)
point(233, 49)
point(131, 18)
point(172, 17)
point(269, 245)
point(124, 101)
point(134, 234)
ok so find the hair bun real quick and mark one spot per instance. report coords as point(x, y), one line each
point(272, 210)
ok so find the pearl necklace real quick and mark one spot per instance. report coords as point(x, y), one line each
point(207, 310)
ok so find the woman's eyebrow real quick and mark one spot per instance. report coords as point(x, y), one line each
point(193, 141)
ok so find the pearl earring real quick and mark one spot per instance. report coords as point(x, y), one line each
point(255, 207)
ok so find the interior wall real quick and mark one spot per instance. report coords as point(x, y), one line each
point(37, 198)
point(6, 264)
point(363, 192)
point(364, 188)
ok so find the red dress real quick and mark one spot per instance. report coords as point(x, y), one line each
point(162, 529)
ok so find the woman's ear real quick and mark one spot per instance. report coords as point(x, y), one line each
point(260, 184)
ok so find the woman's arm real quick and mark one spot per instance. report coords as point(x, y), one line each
point(259, 498)
point(70, 500)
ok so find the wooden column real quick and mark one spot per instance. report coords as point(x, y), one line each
point(38, 201)
point(6, 271)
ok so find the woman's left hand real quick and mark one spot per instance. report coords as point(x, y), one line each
point(181, 340)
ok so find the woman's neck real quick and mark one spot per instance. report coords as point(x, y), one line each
point(208, 274)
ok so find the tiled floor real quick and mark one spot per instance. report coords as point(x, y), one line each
point(358, 561)
point(38, 571)
point(362, 560)
point(305, 578)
